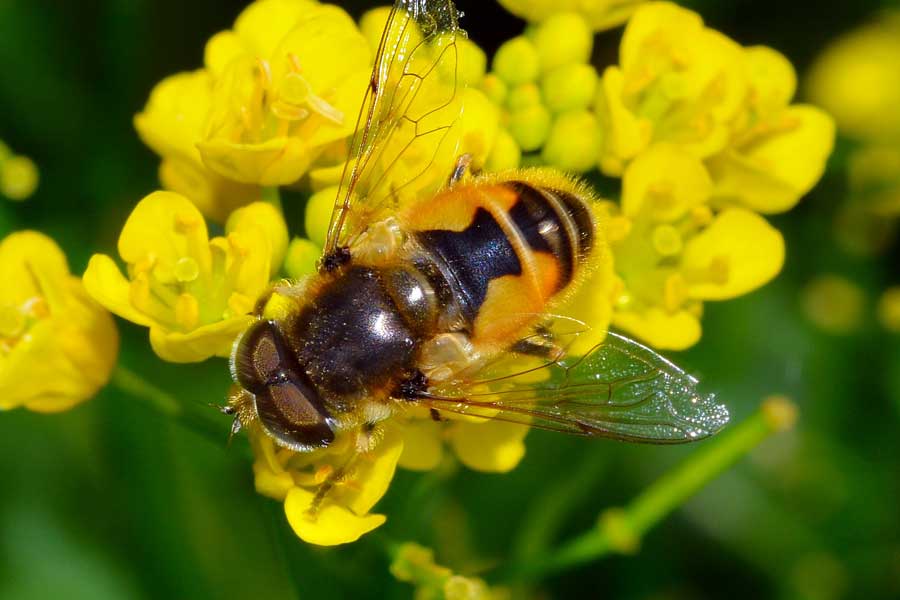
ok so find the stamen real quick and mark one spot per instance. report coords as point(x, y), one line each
point(187, 312)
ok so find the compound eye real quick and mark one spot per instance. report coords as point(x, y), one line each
point(291, 412)
point(258, 357)
point(287, 404)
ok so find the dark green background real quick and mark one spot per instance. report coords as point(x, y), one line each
point(112, 501)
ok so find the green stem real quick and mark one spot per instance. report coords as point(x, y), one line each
point(621, 529)
point(197, 417)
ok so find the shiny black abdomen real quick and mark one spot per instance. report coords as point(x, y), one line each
point(352, 339)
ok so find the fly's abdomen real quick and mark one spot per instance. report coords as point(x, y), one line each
point(509, 248)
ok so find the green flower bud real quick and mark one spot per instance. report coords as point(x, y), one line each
point(569, 87)
point(301, 258)
point(563, 39)
point(318, 214)
point(505, 154)
point(529, 126)
point(494, 88)
point(573, 142)
point(523, 96)
point(517, 61)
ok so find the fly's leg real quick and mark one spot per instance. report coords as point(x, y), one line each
point(463, 164)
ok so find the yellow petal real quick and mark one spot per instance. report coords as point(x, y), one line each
point(271, 483)
point(773, 173)
point(591, 303)
point(266, 221)
point(215, 339)
point(657, 24)
point(373, 472)
point(264, 23)
point(422, 445)
point(173, 118)
point(64, 359)
point(215, 196)
point(773, 80)
point(659, 328)
point(624, 133)
point(736, 254)
point(31, 264)
point(105, 283)
point(165, 227)
point(330, 525)
point(664, 183)
point(492, 446)
point(311, 44)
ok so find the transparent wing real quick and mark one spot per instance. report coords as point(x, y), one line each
point(619, 389)
point(405, 141)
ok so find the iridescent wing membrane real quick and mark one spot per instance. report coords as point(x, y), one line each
point(619, 389)
point(405, 141)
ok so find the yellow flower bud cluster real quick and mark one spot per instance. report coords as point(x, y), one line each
point(18, 175)
point(57, 346)
point(545, 84)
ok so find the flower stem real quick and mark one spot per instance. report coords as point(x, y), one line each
point(197, 417)
point(620, 529)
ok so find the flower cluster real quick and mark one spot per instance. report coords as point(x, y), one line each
point(272, 101)
point(704, 135)
point(701, 132)
point(57, 346)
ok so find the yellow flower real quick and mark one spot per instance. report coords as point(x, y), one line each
point(195, 294)
point(57, 346)
point(172, 124)
point(857, 80)
point(355, 482)
point(677, 81)
point(282, 94)
point(777, 150)
point(672, 252)
point(601, 14)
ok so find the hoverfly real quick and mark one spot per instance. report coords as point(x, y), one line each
point(436, 287)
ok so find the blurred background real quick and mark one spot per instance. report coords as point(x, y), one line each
point(111, 501)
